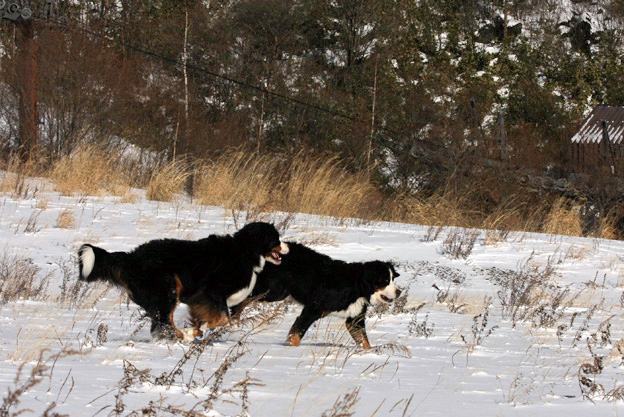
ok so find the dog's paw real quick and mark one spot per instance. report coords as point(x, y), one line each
point(293, 339)
point(187, 336)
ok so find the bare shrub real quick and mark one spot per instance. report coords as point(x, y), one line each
point(343, 407)
point(479, 330)
point(453, 300)
point(521, 290)
point(460, 242)
point(76, 293)
point(167, 181)
point(422, 329)
point(39, 371)
point(432, 233)
point(31, 225)
point(530, 294)
point(19, 279)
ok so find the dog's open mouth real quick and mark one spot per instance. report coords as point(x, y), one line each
point(385, 299)
point(275, 255)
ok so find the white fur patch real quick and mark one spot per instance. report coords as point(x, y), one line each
point(353, 310)
point(240, 295)
point(87, 259)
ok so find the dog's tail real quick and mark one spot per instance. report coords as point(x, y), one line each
point(98, 264)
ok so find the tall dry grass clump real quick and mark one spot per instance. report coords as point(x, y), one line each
point(320, 186)
point(302, 183)
point(89, 170)
point(15, 178)
point(237, 180)
point(564, 218)
point(168, 181)
point(445, 209)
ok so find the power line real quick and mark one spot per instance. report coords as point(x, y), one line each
point(202, 70)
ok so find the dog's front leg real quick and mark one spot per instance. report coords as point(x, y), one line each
point(302, 324)
point(357, 329)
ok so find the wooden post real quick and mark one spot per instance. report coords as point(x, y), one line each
point(28, 80)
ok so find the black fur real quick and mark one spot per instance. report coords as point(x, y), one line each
point(323, 285)
point(203, 273)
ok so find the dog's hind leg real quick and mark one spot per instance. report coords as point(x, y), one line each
point(302, 324)
point(207, 310)
point(357, 330)
point(160, 304)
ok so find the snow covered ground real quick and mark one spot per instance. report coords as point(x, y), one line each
point(492, 324)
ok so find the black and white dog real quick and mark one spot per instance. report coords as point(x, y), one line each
point(210, 275)
point(326, 286)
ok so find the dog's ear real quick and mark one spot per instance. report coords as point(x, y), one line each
point(259, 235)
point(392, 266)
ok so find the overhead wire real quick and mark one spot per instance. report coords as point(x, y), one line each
point(79, 26)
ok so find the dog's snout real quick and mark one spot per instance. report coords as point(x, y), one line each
point(398, 292)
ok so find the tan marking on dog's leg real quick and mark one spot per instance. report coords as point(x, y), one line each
point(203, 314)
point(364, 341)
point(293, 339)
point(359, 336)
point(179, 288)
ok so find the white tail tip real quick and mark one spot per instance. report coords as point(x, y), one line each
point(87, 261)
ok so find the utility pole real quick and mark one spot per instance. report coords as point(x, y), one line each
point(20, 14)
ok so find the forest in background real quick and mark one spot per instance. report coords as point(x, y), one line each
point(455, 102)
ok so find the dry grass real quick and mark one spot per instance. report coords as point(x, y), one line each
point(564, 218)
point(20, 279)
point(304, 184)
point(66, 220)
point(244, 181)
point(607, 227)
point(15, 179)
point(439, 209)
point(168, 181)
point(236, 180)
point(89, 170)
point(320, 186)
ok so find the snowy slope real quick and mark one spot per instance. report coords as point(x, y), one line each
point(525, 324)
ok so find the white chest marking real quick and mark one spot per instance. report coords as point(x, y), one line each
point(240, 295)
point(353, 310)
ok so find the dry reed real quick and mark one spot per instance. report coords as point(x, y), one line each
point(249, 182)
point(89, 170)
point(304, 184)
point(66, 220)
point(168, 181)
point(564, 218)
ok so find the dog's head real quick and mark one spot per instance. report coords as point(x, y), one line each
point(383, 275)
point(264, 240)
